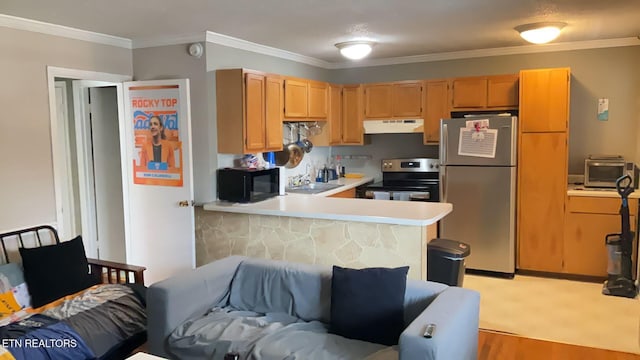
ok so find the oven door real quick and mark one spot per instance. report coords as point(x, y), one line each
point(399, 195)
point(411, 196)
point(378, 194)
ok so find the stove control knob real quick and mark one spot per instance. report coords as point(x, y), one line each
point(431, 166)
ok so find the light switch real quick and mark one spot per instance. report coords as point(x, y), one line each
point(603, 109)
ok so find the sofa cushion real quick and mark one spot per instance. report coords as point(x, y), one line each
point(55, 271)
point(272, 336)
point(267, 286)
point(368, 304)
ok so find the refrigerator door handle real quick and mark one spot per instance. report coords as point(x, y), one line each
point(443, 183)
point(444, 139)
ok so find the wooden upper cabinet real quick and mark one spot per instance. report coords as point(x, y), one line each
point(352, 132)
point(249, 111)
point(406, 99)
point(318, 99)
point(436, 108)
point(502, 91)
point(331, 133)
point(469, 92)
point(399, 99)
point(274, 112)
point(296, 102)
point(305, 99)
point(544, 100)
point(255, 112)
point(377, 101)
point(335, 114)
point(485, 92)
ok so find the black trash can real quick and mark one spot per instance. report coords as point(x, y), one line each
point(445, 261)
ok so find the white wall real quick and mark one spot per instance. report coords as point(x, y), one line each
point(27, 195)
point(174, 62)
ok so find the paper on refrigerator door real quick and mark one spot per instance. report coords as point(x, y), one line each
point(478, 142)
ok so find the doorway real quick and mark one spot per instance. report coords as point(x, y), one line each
point(112, 186)
point(86, 152)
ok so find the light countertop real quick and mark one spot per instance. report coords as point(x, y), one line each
point(347, 183)
point(580, 190)
point(319, 206)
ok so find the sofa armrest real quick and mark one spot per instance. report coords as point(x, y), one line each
point(172, 301)
point(456, 314)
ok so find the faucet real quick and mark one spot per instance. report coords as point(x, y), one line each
point(308, 175)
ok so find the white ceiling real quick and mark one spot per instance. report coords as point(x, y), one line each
point(311, 27)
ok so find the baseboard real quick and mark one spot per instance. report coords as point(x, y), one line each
point(552, 275)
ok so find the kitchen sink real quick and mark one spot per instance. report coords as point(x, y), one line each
point(312, 188)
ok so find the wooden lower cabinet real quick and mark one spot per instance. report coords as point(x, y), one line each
point(350, 193)
point(588, 220)
point(542, 191)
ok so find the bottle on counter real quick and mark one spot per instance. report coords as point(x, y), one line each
point(325, 174)
point(339, 168)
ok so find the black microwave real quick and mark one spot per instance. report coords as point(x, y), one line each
point(247, 185)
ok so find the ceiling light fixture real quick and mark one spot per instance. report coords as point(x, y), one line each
point(355, 50)
point(540, 33)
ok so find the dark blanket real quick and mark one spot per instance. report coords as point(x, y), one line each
point(88, 325)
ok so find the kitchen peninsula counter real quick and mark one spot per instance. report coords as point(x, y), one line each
point(323, 230)
point(328, 208)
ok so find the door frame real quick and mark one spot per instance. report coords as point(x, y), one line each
point(60, 153)
point(62, 124)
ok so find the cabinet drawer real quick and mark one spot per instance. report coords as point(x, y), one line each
point(349, 193)
point(599, 205)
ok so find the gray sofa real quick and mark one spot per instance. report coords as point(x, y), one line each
point(267, 309)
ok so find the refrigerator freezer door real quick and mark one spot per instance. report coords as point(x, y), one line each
point(483, 214)
point(505, 145)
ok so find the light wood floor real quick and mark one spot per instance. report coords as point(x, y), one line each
point(498, 346)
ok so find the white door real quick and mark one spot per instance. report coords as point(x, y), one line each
point(105, 135)
point(98, 152)
point(159, 184)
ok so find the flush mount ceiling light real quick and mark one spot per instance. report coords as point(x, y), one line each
point(540, 33)
point(355, 50)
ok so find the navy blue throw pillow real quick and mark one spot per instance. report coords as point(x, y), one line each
point(55, 271)
point(368, 304)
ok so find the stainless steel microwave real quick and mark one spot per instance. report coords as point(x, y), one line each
point(248, 185)
point(602, 171)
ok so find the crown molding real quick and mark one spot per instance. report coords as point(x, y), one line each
point(62, 31)
point(169, 40)
point(236, 43)
point(512, 50)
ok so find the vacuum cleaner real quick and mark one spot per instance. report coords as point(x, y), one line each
point(619, 278)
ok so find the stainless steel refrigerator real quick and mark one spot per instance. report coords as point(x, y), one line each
point(478, 176)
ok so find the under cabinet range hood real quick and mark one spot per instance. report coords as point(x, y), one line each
point(393, 126)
